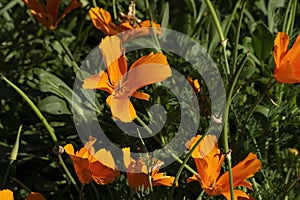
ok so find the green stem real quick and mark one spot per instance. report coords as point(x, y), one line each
point(289, 188)
point(284, 27)
point(115, 9)
point(226, 127)
point(94, 3)
point(45, 123)
point(291, 19)
point(35, 109)
point(81, 191)
point(158, 46)
point(6, 173)
point(220, 32)
point(237, 36)
point(183, 164)
point(231, 18)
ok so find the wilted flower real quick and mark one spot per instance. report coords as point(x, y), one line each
point(89, 168)
point(287, 62)
point(122, 84)
point(102, 20)
point(48, 16)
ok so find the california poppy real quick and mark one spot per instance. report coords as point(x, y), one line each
point(89, 168)
point(121, 84)
point(209, 166)
point(48, 16)
point(8, 195)
point(35, 196)
point(138, 171)
point(287, 62)
point(102, 20)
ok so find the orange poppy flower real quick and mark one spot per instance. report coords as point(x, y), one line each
point(209, 167)
point(287, 62)
point(121, 84)
point(195, 84)
point(35, 196)
point(137, 172)
point(102, 20)
point(8, 195)
point(49, 16)
point(88, 168)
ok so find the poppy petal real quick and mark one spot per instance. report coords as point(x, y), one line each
point(238, 195)
point(102, 21)
point(111, 49)
point(148, 70)
point(99, 81)
point(52, 8)
point(35, 196)
point(161, 179)
point(141, 95)
point(38, 11)
point(121, 108)
point(241, 171)
point(72, 5)
point(6, 194)
point(280, 47)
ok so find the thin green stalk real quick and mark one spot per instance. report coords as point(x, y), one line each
point(187, 157)
point(45, 123)
point(115, 9)
point(226, 127)
point(231, 18)
point(237, 36)
point(284, 27)
point(220, 32)
point(291, 19)
point(289, 188)
point(147, 164)
point(94, 3)
point(158, 46)
point(81, 191)
point(35, 109)
point(200, 196)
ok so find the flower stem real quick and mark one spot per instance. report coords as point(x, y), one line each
point(158, 46)
point(45, 123)
point(237, 36)
point(226, 126)
point(220, 32)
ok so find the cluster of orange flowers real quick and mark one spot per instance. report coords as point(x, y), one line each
point(88, 168)
point(122, 83)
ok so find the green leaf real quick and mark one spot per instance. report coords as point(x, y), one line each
point(262, 110)
point(165, 15)
point(262, 41)
point(54, 105)
point(15, 150)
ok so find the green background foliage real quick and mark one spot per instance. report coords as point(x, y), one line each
point(264, 116)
